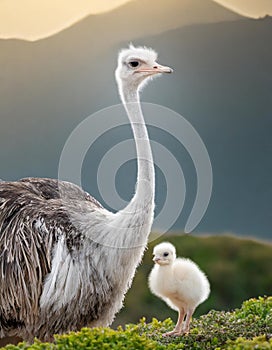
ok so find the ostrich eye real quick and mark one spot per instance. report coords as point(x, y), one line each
point(134, 64)
point(165, 254)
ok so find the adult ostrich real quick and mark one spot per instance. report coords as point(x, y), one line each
point(65, 261)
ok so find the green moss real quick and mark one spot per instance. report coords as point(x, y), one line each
point(260, 343)
point(247, 328)
point(94, 339)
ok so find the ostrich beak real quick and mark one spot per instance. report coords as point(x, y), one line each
point(157, 68)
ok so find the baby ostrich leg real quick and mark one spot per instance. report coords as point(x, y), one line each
point(180, 327)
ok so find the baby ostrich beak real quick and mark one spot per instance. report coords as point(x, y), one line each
point(157, 68)
point(156, 259)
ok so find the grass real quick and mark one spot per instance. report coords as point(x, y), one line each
point(246, 328)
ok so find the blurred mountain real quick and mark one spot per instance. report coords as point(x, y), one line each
point(140, 18)
point(123, 21)
point(39, 80)
point(222, 85)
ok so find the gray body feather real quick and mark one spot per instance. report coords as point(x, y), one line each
point(36, 228)
point(26, 251)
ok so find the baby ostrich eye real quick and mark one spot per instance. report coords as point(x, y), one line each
point(134, 64)
point(165, 254)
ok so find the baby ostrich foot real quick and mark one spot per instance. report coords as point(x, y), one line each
point(170, 334)
point(186, 330)
point(173, 333)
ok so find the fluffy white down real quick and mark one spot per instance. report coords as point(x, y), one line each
point(180, 284)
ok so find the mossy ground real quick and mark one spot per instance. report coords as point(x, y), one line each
point(246, 328)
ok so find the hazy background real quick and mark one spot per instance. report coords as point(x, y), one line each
point(222, 85)
point(57, 61)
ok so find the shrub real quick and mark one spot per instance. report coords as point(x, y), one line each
point(247, 328)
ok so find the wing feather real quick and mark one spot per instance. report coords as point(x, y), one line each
point(33, 217)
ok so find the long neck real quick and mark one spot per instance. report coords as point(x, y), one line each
point(145, 188)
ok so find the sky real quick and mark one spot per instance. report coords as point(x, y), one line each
point(33, 20)
point(249, 8)
point(45, 18)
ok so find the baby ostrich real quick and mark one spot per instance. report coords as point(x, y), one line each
point(180, 283)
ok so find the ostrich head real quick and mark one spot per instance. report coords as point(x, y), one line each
point(164, 253)
point(135, 66)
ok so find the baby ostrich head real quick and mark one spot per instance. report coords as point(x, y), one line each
point(135, 66)
point(164, 253)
